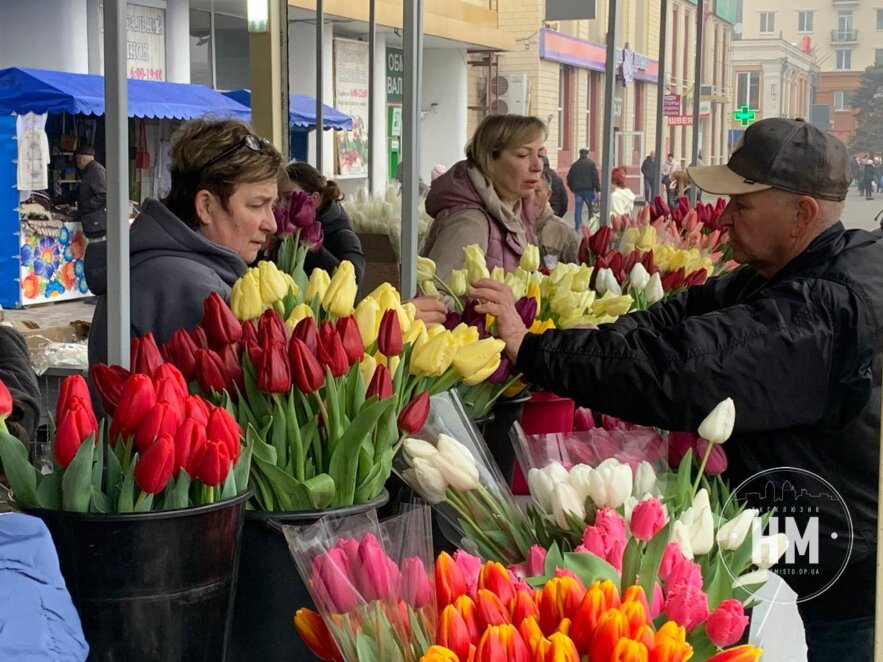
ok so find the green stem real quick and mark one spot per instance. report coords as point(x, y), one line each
point(463, 511)
point(705, 457)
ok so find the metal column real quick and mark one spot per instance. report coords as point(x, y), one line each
point(609, 87)
point(697, 85)
point(660, 98)
point(285, 100)
point(117, 152)
point(413, 43)
point(320, 74)
point(372, 88)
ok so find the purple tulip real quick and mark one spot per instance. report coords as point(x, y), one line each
point(717, 461)
point(470, 317)
point(452, 320)
point(283, 225)
point(302, 210)
point(527, 310)
point(416, 589)
point(332, 578)
point(502, 373)
point(314, 236)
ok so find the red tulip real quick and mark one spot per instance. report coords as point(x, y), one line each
point(162, 419)
point(306, 372)
point(495, 578)
point(199, 337)
point(380, 384)
point(5, 402)
point(145, 354)
point(249, 332)
point(255, 353)
point(73, 386)
point(330, 350)
point(212, 463)
point(220, 324)
point(211, 375)
point(312, 629)
point(189, 439)
point(181, 351)
point(109, 381)
point(77, 422)
point(491, 610)
point(389, 337)
point(197, 409)
point(414, 414)
point(223, 427)
point(232, 367)
point(138, 398)
point(306, 332)
point(155, 465)
point(351, 339)
point(271, 328)
point(726, 624)
point(273, 371)
point(600, 241)
point(452, 633)
point(523, 606)
point(177, 383)
point(450, 583)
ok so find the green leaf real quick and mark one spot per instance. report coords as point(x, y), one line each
point(321, 490)
point(631, 562)
point(228, 491)
point(98, 464)
point(653, 553)
point(179, 495)
point(126, 503)
point(243, 465)
point(684, 494)
point(264, 451)
point(720, 588)
point(99, 503)
point(49, 492)
point(366, 648)
point(254, 396)
point(285, 488)
point(113, 476)
point(144, 505)
point(278, 434)
point(588, 567)
point(22, 476)
point(295, 443)
point(76, 492)
point(263, 495)
point(554, 560)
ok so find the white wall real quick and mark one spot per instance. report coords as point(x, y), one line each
point(44, 34)
point(443, 129)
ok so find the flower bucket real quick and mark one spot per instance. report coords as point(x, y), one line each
point(270, 589)
point(151, 586)
point(496, 432)
point(544, 413)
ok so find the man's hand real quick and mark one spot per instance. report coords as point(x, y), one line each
point(431, 311)
point(496, 299)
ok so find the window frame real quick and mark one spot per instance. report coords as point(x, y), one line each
point(847, 55)
point(770, 18)
point(747, 100)
point(802, 14)
point(843, 106)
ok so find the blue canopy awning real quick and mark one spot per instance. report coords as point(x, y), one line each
point(302, 111)
point(25, 90)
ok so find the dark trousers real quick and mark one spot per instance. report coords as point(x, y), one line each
point(840, 639)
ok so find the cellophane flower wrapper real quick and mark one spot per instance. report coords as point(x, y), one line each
point(479, 505)
point(354, 584)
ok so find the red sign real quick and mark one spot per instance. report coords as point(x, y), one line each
point(680, 120)
point(671, 104)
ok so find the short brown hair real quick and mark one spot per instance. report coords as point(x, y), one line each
point(617, 177)
point(195, 144)
point(312, 181)
point(498, 132)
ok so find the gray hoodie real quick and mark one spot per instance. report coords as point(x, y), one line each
point(172, 270)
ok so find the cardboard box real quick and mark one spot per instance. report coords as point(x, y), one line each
point(37, 337)
point(381, 265)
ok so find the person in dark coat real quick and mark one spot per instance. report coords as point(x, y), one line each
point(648, 170)
point(340, 242)
point(792, 338)
point(90, 195)
point(868, 176)
point(583, 180)
point(558, 199)
point(17, 373)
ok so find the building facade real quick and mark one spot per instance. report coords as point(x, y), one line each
point(845, 36)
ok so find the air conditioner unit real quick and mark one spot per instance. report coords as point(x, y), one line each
point(510, 94)
point(706, 90)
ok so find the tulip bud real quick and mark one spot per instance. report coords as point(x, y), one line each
point(745, 653)
point(453, 633)
point(606, 282)
point(138, 398)
point(350, 337)
point(718, 425)
point(299, 312)
point(367, 317)
point(732, 533)
point(75, 424)
point(271, 328)
point(330, 350)
point(456, 464)
point(341, 293)
point(273, 285)
point(638, 277)
point(317, 286)
point(450, 583)
point(416, 588)
point(211, 375)
point(648, 518)
point(312, 629)
point(653, 291)
point(220, 324)
point(245, 297)
point(645, 480)
point(108, 381)
point(221, 426)
point(307, 331)
point(726, 624)
point(414, 414)
point(426, 480)
point(381, 384)
point(476, 264)
point(155, 465)
point(273, 371)
point(73, 386)
point(306, 372)
point(189, 439)
point(212, 463)
point(181, 352)
point(530, 258)
point(199, 338)
point(163, 418)
point(565, 501)
point(425, 269)
point(389, 338)
point(170, 385)
point(767, 550)
point(458, 283)
point(145, 355)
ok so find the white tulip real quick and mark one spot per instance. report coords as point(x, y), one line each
point(565, 500)
point(731, 534)
point(579, 479)
point(457, 465)
point(653, 291)
point(645, 480)
point(767, 550)
point(447, 444)
point(718, 425)
point(610, 484)
point(414, 448)
point(702, 528)
point(542, 481)
point(680, 533)
point(638, 277)
point(629, 505)
point(427, 480)
point(606, 282)
point(752, 578)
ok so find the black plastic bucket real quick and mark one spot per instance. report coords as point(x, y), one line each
point(270, 590)
point(496, 433)
point(151, 586)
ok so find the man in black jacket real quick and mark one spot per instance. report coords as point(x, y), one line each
point(90, 195)
point(583, 180)
point(794, 338)
point(648, 170)
point(558, 199)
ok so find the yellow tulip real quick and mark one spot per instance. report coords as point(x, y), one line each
point(541, 326)
point(434, 330)
point(478, 360)
point(367, 366)
point(476, 265)
point(574, 319)
point(533, 291)
point(458, 283)
point(612, 305)
point(245, 298)
point(646, 238)
point(433, 357)
point(429, 289)
point(317, 286)
point(300, 311)
point(411, 312)
point(581, 278)
point(563, 302)
point(292, 286)
point(498, 274)
point(378, 291)
point(516, 285)
point(368, 316)
point(416, 333)
point(425, 269)
point(584, 300)
point(530, 258)
point(464, 334)
point(273, 285)
point(515, 389)
point(341, 293)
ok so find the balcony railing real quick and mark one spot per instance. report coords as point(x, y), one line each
point(844, 36)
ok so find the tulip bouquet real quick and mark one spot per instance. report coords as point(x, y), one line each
point(372, 584)
point(298, 232)
point(164, 449)
point(462, 481)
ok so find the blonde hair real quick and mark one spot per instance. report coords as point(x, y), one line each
point(196, 144)
point(496, 133)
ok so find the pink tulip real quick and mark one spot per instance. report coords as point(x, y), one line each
point(379, 576)
point(670, 559)
point(470, 566)
point(593, 542)
point(657, 602)
point(684, 573)
point(536, 561)
point(582, 420)
point(611, 523)
point(334, 582)
point(416, 588)
point(726, 624)
point(687, 606)
point(648, 518)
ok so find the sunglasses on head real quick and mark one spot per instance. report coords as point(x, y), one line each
point(253, 142)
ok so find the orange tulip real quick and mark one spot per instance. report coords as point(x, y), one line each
point(593, 606)
point(501, 643)
point(636, 616)
point(561, 598)
point(564, 626)
point(438, 654)
point(645, 635)
point(523, 606)
point(466, 607)
point(450, 583)
point(540, 648)
point(627, 650)
point(490, 610)
point(495, 578)
point(530, 631)
point(671, 644)
point(452, 633)
point(635, 593)
point(562, 650)
point(608, 588)
point(746, 653)
point(612, 627)
point(312, 629)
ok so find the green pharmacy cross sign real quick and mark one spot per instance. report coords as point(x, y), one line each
point(744, 115)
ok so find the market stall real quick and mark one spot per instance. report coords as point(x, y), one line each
point(44, 115)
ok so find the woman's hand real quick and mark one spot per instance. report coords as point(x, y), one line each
point(496, 299)
point(429, 310)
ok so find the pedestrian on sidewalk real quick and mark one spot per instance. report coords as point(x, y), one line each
point(583, 180)
point(558, 198)
point(648, 170)
point(868, 172)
